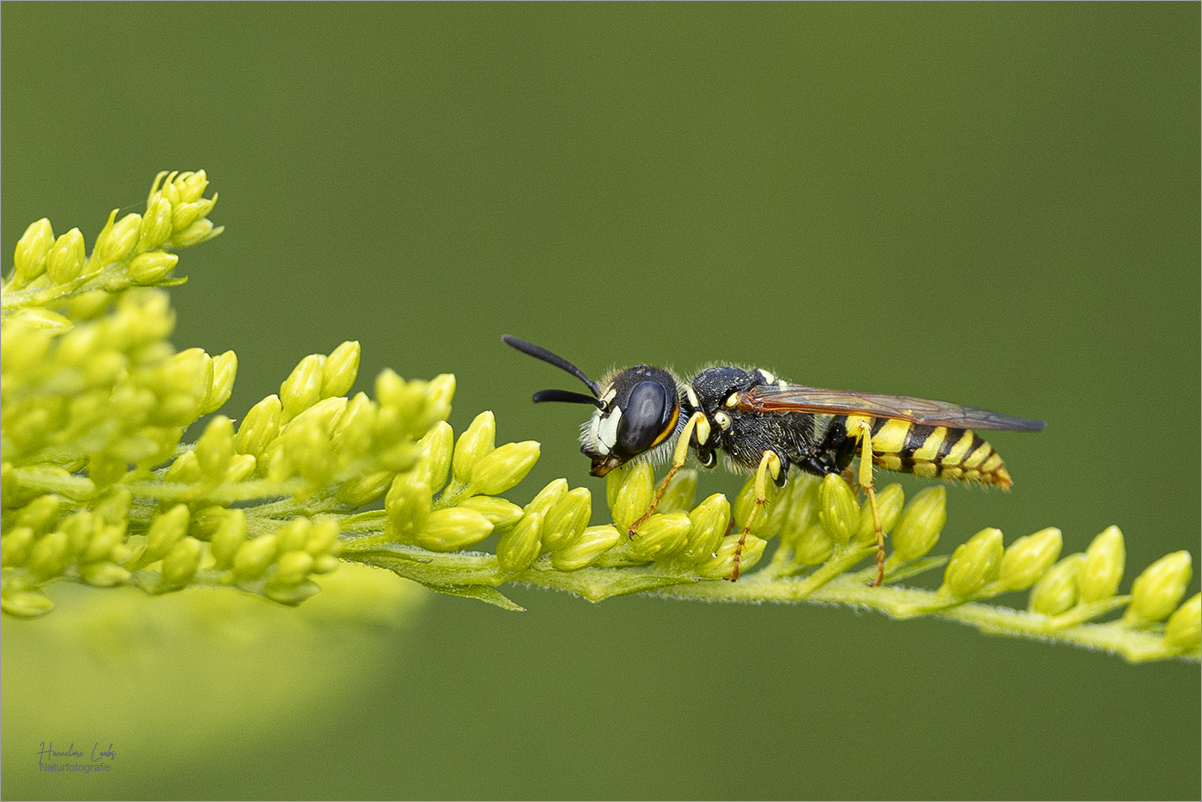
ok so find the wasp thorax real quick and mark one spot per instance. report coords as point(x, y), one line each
point(639, 409)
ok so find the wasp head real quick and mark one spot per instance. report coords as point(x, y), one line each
point(637, 409)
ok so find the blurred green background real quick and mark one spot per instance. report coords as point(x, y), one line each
point(991, 204)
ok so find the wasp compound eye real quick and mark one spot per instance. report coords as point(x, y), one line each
point(644, 416)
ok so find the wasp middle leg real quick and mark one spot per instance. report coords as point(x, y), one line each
point(769, 464)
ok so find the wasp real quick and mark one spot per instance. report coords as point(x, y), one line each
point(767, 426)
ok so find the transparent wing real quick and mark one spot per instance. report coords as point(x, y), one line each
point(799, 398)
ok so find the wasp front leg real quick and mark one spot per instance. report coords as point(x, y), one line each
point(769, 464)
point(866, 484)
point(697, 423)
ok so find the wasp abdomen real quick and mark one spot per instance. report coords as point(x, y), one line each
point(933, 452)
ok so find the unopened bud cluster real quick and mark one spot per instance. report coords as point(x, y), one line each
point(449, 500)
point(132, 251)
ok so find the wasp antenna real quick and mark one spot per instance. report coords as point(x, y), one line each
point(553, 359)
point(566, 396)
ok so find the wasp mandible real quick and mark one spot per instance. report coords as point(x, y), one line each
point(765, 425)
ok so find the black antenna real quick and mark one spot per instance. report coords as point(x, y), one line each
point(559, 362)
point(566, 396)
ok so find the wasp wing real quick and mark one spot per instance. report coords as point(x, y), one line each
point(799, 398)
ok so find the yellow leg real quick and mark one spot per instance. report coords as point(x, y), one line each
point(769, 463)
point(865, 480)
point(696, 422)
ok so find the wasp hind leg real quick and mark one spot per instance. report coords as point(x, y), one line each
point(866, 484)
point(769, 464)
point(696, 422)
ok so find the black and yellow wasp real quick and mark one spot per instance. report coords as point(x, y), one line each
point(764, 425)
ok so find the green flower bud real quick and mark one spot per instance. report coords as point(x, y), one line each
point(408, 503)
point(228, 538)
point(438, 399)
point(51, 322)
point(974, 564)
point(722, 564)
point(15, 546)
point(1184, 629)
point(889, 504)
point(104, 543)
point(634, 495)
point(66, 259)
point(1103, 567)
point(196, 233)
point(1158, 590)
point(32, 250)
point(116, 242)
point(311, 454)
point(41, 513)
point(838, 510)
point(254, 557)
point(166, 530)
point(225, 369)
point(185, 469)
point(921, 522)
point(323, 415)
point(504, 467)
point(567, 519)
point(156, 224)
point(191, 186)
point(293, 567)
point(548, 497)
point(215, 448)
point(152, 267)
point(662, 535)
point(364, 490)
point(79, 528)
point(323, 537)
point(242, 467)
point(206, 521)
point(453, 529)
point(260, 426)
point(503, 514)
point(584, 550)
point(436, 448)
point(475, 443)
point(183, 382)
point(1028, 558)
point(184, 215)
point(104, 574)
point(708, 524)
point(393, 391)
point(680, 493)
point(325, 564)
point(1056, 591)
point(745, 502)
point(340, 369)
point(518, 548)
point(283, 592)
point(180, 564)
point(302, 388)
point(802, 506)
point(613, 483)
point(814, 547)
point(292, 535)
point(26, 603)
point(48, 556)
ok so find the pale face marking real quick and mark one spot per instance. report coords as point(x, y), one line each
point(607, 429)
